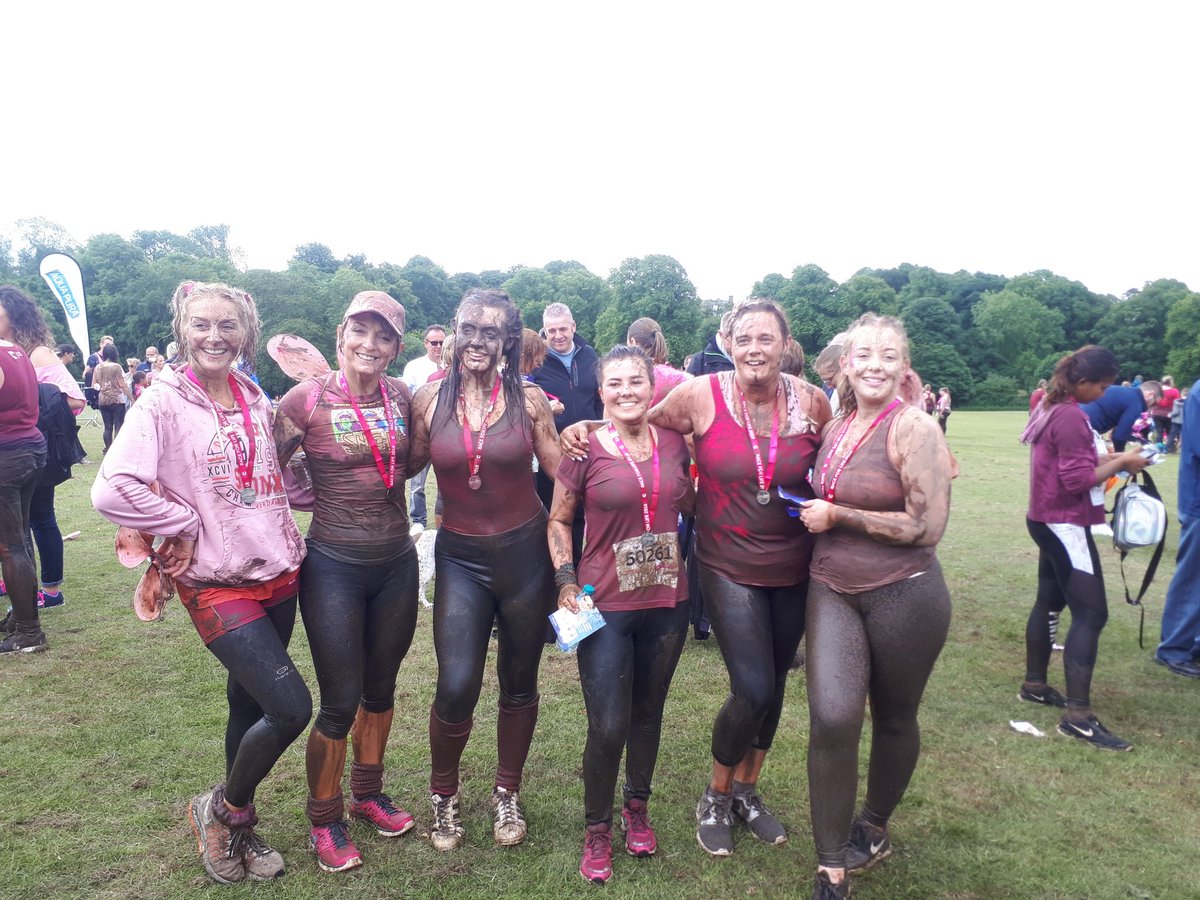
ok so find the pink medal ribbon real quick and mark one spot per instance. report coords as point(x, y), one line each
point(649, 502)
point(831, 490)
point(764, 476)
point(388, 475)
point(475, 456)
point(243, 463)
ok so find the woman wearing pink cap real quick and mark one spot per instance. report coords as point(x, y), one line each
point(358, 586)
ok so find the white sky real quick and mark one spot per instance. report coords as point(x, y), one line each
point(740, 138)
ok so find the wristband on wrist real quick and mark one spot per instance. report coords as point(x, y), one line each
point(564, 575)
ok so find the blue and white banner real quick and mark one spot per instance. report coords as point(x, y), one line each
point(66, 282)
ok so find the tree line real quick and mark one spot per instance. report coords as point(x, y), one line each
point(987, 337)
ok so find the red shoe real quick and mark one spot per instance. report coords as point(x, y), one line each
point(596, 864)
point(639, 836)
point(335, 851)
point(387, 818)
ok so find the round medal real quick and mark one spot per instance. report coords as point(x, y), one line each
point(763, 497)
point(474, 482)
point(647, 540)
point(248, 496)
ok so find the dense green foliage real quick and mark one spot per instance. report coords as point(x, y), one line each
point(987, 337)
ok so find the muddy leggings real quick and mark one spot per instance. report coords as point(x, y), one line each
point(19, 471)
point(625, 669)
point(758, 630)
point(880, 645)
point(1068, 575)
point(506, 578)
point(269, 703)
point(360, 621)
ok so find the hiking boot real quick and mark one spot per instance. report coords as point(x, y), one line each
point(824, 889)
point(635, 822)
point(1047, 696)
point(510, 827)
point(214, 839)
point(447, 830)
point(387, 818)
point(596, 864)
point(714, 822)
point(748, 807)
point(50, 601)
point(335, 851)
point(261, 862)
point(868, 845)
point(1091, 731)
point(24, 642)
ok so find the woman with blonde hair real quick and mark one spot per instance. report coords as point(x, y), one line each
point(195, 465)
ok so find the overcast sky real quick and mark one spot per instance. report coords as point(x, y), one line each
point(741, 139)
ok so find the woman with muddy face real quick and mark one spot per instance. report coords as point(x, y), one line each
point(878, 608)
point(633, 486)
point(481, 425)
point(358, 584)
point(195, 465)
point(756, 432)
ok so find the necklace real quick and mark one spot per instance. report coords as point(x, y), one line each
point(649, 502)
point(764, 475)
point(243, 461)
point(831, 490)
point(475, 456)
point(388, 475)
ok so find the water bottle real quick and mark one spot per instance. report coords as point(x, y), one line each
point(585, 597)
point(299, 466)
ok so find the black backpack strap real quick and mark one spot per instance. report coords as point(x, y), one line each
point(1150, 488)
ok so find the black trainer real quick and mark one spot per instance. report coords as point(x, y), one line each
point(868, 845)
point(1047, 696)
point(1092, 732)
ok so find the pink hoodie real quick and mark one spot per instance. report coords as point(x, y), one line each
point(171, 436)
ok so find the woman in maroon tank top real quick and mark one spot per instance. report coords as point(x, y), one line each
point(756, 430)
point(480, 426)
point(878, 607)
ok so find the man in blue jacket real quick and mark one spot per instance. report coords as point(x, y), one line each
point(1118, 409)
point(1180, 645)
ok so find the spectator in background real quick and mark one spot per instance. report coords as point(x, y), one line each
point(1180, 646)
point(1176, 421)
point(22, 323)
point(89, 367)
point(65, 353)
point(1036, 397)
point(1161, 410)
point(715, 355)
point(148, 363)
point(1118, 409)
point(647, 334)
point(943, 407)
point(138, 384)
point(416, 373)
point(115, 394)
point(568, 374)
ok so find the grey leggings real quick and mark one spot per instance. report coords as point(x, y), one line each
point(880, 645)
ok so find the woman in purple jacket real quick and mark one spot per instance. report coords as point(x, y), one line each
point(1066, 497)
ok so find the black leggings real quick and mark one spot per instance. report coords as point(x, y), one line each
point(506, 578)
point(625, 669)
point(269, 703)
point(19, 471)
point(360, 621)
point(881, 645)
point(1067, 553)
point(758, 630)
point(113, 415)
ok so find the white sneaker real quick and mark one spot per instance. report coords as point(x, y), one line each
point(416, 529)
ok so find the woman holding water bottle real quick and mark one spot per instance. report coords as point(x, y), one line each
point(633, 484)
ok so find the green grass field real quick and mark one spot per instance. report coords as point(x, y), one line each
point(105, 738)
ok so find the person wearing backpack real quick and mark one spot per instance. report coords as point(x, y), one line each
point(1180, 644)
point(1066, 497)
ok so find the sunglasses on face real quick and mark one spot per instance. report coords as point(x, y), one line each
point(434, 343)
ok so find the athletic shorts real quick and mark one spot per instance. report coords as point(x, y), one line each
point(219, 610)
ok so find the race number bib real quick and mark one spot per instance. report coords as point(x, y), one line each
point(647, 563)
